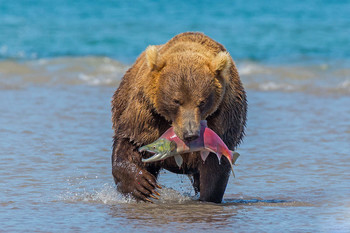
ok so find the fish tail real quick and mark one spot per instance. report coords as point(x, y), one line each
point(234, 156)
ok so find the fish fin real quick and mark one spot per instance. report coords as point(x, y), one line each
point(178, 160)
point(219, 157)
point(204, 154)
point(208, 149)
point(235, 156)
point(217, 154)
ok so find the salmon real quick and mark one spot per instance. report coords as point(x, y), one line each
point(170, 145)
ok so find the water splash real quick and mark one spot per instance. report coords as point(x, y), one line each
point(106, 195)
point(109, 195)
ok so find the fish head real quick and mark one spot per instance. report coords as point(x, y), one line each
point(160, 146)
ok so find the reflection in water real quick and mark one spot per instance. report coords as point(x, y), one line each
point(185, 214)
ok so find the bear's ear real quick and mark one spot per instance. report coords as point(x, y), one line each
point(221, 63)
point(152, 56)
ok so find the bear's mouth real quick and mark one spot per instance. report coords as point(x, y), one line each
point(188, 134)
point(191, 138)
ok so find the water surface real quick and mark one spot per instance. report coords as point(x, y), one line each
point(56, 133)
point(61, 61)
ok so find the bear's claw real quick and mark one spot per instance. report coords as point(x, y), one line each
point(145, 186)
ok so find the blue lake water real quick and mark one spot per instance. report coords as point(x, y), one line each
point(257, 30)
point(61, 61)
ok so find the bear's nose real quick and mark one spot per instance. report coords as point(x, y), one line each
point(190, 136)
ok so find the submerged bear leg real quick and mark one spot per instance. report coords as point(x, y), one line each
point(213, 179)
point(194, 178)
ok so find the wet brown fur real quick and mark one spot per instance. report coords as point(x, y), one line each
point(188, 79)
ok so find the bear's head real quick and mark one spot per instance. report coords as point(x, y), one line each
point(187, 87)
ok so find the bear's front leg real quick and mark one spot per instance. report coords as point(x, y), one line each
point(130, 176)
point(213, 178)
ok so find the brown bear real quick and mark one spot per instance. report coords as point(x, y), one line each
point(180, 83)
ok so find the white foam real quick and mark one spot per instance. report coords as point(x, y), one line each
point(109, 68)
point(248, 69)
point(272, 86)
point(345, 84)
point(95, 80)
point(3, 49)
point(93, 71)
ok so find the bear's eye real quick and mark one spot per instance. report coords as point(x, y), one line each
point(177, 102)
point(201, 104)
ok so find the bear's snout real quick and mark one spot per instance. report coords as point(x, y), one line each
point(191, 130)
point(190, 136)
point(187, 123)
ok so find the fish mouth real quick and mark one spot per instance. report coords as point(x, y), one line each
point(141, 149)
point(155, 158)
point(144, 148)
